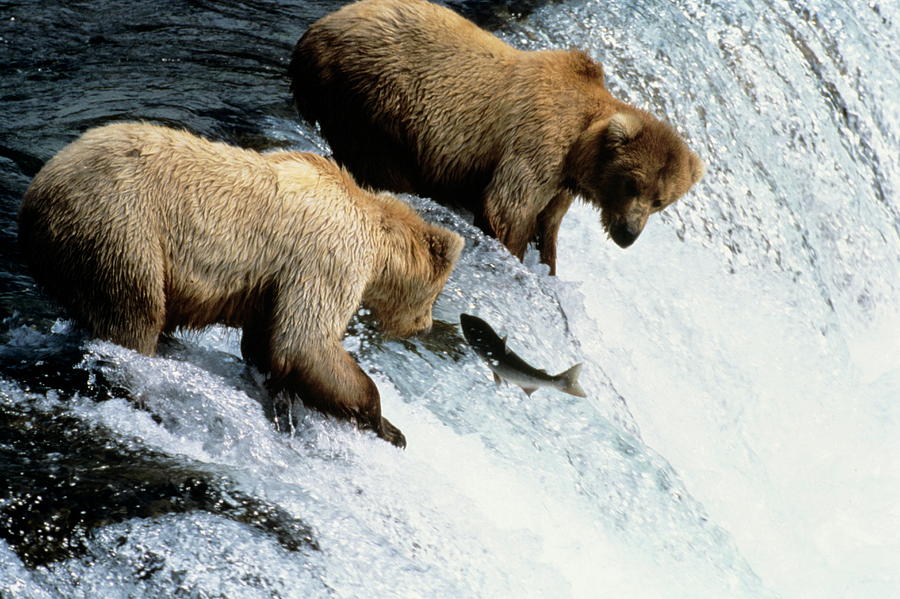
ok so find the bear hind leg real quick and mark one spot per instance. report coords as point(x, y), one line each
point(374, 158)
point(129, 311)
point(137, 328)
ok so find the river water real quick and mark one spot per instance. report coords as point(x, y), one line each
point(742, 359)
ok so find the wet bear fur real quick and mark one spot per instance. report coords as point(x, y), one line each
point(414, 98)
point(139, 229)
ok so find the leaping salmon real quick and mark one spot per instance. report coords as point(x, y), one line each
point(508, 366)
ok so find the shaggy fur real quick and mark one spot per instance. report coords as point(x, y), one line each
point(414, 98)
point(138, 229)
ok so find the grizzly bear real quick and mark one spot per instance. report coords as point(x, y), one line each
point(414, 98)
point(138, 229)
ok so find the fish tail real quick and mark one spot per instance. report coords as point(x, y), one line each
point(570, 381)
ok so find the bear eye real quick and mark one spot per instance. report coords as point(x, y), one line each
point(657, 203)
point(630, 187)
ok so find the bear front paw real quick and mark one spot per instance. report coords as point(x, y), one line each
point(391, 433)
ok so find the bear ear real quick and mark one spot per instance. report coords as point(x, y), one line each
point(622, 128)
point(585, 66)
point(445, 247)
point(697, 167)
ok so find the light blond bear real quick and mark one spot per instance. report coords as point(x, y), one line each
point(140, 229)
point(414, 98)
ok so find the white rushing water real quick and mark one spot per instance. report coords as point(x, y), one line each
point(756, 338)
point(742, 362)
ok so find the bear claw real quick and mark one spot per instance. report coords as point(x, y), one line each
point(392, 434)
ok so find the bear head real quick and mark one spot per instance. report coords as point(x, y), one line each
point(416, 261)
point(630, 166)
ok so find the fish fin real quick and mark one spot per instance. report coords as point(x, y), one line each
point(529, 390)
point(497, 379)
point(570, 381)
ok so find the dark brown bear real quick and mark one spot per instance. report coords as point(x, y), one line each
point(414, 98)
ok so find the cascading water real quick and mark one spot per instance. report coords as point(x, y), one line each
point(742, 359)
point(757, 337)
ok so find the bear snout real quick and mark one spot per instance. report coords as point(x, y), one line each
point(625, 234)
point(423, 325)
point(399, 327)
